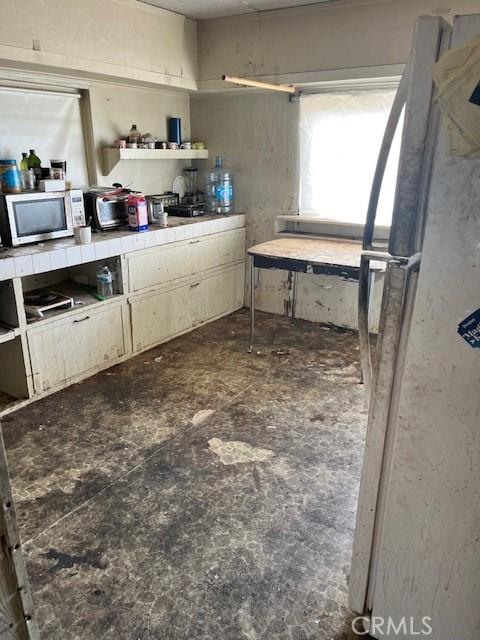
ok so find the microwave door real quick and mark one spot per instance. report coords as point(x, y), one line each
point(36, 219)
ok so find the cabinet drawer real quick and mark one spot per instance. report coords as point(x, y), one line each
point(182, 259)
point(74, 347)
point(160, 316)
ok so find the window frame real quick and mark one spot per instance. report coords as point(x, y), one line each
point(326, 226)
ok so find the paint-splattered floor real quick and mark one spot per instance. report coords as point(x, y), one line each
point(197, 491)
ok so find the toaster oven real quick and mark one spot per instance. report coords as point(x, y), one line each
point(107, 208)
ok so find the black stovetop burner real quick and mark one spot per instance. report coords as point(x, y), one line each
point(42, 298)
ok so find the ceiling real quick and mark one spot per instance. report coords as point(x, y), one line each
point(204, 9)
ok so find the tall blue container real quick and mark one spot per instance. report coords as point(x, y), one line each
point(175, 130)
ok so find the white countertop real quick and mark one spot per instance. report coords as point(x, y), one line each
point(58, 254)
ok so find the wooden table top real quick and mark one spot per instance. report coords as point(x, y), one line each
point(319, 252)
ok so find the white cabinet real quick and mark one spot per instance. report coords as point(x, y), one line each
point(161, 315)
point(219, 294)
point(70, 348)
point(158, 316)
point(159, 265)
point(163, 292)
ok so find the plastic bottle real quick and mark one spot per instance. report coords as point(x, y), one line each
point(34, 162)
point(24, 162)
point(137, 212)
point(134, 135)
point(219, 188)
point(105, 282)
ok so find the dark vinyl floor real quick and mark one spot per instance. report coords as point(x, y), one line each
point(197, 491)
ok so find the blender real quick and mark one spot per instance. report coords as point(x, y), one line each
point(193, 202)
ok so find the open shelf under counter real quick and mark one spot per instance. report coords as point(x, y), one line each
point(9, 403)
point(8, 333)
point(84, 298)
point(112, 156)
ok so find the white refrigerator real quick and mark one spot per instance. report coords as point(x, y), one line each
point(416, 551)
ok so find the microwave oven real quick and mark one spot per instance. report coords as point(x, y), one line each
point(34, 217)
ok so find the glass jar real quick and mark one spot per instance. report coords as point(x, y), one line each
point(10, 181)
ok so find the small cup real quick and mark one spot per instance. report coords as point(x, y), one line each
point(132, 145)
point(120, 144)
point(186, 145)
point(83, 235)
point(198, 145)
point(172, 145)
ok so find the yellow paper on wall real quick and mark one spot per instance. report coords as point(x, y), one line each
point(457, 77)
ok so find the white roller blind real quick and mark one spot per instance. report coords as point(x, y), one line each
point(50, 123)
point(340, 138)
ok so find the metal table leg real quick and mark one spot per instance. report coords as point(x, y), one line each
point(294, 296)
point(252, 302)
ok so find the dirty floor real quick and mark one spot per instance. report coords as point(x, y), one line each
point(197, 491)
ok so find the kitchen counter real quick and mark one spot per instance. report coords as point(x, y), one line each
point(61, 253)
point(167, 282)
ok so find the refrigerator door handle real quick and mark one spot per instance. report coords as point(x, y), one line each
point(410, 264)
point(413, 263)
point(390, 130)
point(365, 276)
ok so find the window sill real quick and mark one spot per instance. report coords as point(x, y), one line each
point(313, 227)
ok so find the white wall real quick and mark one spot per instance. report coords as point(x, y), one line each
point(135, 61)
point(114, 109)
point(257, 132)
point(303, 40)
point(122, 39)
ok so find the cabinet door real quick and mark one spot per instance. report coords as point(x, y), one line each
point(219, 294)
point(160, 316)
point(76, 346)
point(167, 263)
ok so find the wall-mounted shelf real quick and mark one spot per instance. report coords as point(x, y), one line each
point(112, 156)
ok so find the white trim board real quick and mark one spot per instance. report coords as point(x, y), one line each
point(313, 227)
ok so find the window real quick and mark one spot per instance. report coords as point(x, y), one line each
point(340, 138)
point(49, 122)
